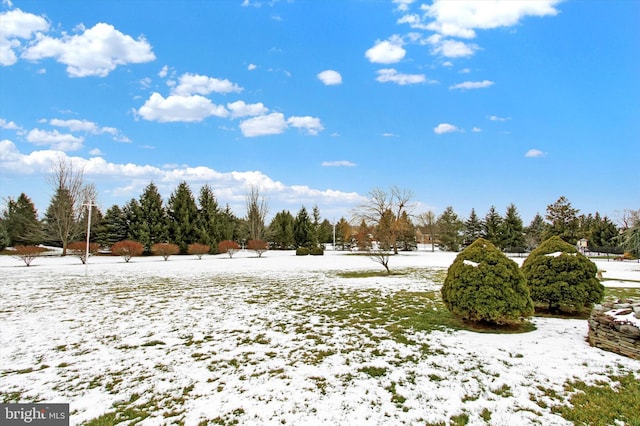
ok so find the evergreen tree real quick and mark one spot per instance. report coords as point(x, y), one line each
point(325, 232)
point(4, 236)
point(96, 224)
point(482, 284)
point(406, 238)
point(512, 231)
point(343, 234)
point(150, 219)
point(472, 228)
point(209, 222)
point(492, 227)
point(21, 222)
point(132, 219)
point(563, 221)
point(113, 227)
point(604, 235)
point(183, 217)
point(315, 226)
point(303, 229)
point(229, 225)
point(60, 223)
point(562, 278)
point(281, 230)
point(534, 233)
point(363, 237)
point(450, 229)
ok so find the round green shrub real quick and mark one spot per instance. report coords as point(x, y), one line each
point(484, 285)
point(562, 278)
point(302, 251)
point(317, 251)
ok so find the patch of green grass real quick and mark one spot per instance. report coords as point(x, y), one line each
point(373, 371)
point(503, 391)
point(460, 419)
point(621, 293)
point(602, 403)
point(486, 415)
point(153, 343)
point(368, 274)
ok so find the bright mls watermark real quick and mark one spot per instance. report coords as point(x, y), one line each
point(34, 414)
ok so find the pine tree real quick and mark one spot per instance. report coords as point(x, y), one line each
point(21, 222)
point(604, 235)
point(325, 232)
point(482, 284)
point(343, 234)
point(563, 221)
point(450, 229)
point(281, 230)
point(209, 226)
point(229, 225)
point(492, 227)
point(132, 219)
point(4, 236)
point(303, 229)
point(183, 217)
point(560, 277)
point(406, 238)
point(472, 228)
point(315, 226)
point(512, 231)
point(113, 227)
point(534, 233)
point(150, 219)
point(60, 222)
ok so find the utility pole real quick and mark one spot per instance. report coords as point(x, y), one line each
point(89, 205)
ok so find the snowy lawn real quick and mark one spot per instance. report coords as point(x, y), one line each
point(279, 340)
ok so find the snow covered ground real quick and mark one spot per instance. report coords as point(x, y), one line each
point(271, 341)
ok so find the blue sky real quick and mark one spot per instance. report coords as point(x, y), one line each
point(466, 103)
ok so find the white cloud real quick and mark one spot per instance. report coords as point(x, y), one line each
point(95, 52)
point(16, 25)
point(54, 139)
point(496, 118)
point(252, 67)
point(312, 125)
point(128, 180)
point(241, 109)
point(194, 84)
point(8, 125)
point(163, 72)
point(476, 130)
point(534, 153)
point(403, 5)
point(180, 108)
point(271, 124)
point(460, 18)
point(96, 152)
point(445, 128)
point(467, 85)
point(76, 125)
point(386, 51)
point(330, 77)
point(391, 75)
point(341, 163)
point(450, 48)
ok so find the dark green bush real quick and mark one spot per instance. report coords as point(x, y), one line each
point(317, 251)
point(562, 278)
point(483, 285)
point(302, 251)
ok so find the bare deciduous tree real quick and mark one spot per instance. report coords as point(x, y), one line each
point(427, 221)
point(66, 213)
point(383, 212)
point(257, 210)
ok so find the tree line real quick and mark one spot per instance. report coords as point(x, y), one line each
point(385, 221)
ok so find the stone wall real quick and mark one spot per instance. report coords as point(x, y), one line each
point(615, 327)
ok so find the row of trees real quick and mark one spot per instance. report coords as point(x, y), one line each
point(386, 221)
